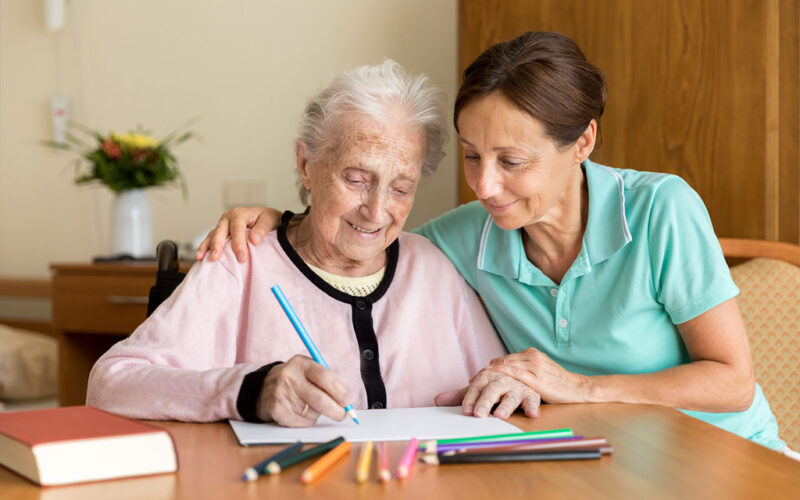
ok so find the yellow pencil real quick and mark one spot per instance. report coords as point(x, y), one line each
point(362, 469)
point(326, 462)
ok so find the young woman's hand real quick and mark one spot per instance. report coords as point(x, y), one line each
point(536, 370)
point(488, 388)
point(234, 223)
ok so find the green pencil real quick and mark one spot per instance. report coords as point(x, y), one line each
point(251, 474)
point(278, 466)
point(509, 437)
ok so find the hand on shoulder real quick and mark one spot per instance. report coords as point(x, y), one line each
point(235, 223)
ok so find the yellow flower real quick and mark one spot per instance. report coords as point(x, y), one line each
point(135, 141)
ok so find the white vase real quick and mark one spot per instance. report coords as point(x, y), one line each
point(132, 225)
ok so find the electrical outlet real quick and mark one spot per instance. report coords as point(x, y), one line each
point(58, 115)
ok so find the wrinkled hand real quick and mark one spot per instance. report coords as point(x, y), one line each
point(234, 223)
point(487, 388)
point(536, 370)
point(301, 381)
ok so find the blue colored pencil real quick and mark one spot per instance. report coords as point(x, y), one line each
point(306, 338)
point(252, 473)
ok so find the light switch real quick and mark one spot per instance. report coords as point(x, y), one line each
point(244, 194)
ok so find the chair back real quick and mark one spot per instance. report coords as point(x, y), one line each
point(168, 276)
point(770, 305)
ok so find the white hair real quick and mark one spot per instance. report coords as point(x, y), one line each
point(373, 91)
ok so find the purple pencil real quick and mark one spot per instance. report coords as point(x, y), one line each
point(433, 447)
point(565, 445)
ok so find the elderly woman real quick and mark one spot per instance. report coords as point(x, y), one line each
point(606, 285)
point(221, 347)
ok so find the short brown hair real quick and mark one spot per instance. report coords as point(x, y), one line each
point(544, 74)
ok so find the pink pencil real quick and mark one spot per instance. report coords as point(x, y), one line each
point(404, 469)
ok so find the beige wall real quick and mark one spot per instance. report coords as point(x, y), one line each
point(244, 68)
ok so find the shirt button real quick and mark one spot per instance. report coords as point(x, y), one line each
point(377, 405)
point(563, 323)
point(361, 305)
point(554, 291)
point(368, 354)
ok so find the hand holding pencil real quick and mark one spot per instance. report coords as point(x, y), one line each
point(305, 337)
point(297, 392)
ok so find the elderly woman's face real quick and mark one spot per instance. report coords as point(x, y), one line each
point(363, 188)
point(516, 170)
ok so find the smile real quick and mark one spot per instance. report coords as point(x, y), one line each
point(363, 230)
point(499, 207)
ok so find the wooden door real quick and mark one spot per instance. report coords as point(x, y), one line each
point(705, 89)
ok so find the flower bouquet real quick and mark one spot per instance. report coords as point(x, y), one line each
point(127, 164)
point(125, 161)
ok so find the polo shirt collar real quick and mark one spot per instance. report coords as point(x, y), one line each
point(607, 228)
point(501, 252)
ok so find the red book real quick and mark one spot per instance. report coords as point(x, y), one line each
point(76, 444)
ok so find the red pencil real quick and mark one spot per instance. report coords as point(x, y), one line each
point(383, 463)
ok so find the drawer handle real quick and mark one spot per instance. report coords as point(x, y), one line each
point(127, 299)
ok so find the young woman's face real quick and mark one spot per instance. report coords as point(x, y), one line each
point(515, 169)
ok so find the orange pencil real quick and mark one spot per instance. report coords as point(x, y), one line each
point(326, 462)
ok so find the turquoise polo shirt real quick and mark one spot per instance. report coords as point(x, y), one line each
point(649, 261)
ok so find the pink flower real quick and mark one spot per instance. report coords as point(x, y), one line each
point(111, 149)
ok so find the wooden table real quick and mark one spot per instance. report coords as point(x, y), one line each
point(658, 453)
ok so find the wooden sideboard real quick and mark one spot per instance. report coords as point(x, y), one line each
point(94, 306)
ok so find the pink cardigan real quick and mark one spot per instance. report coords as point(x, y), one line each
point(188, 360)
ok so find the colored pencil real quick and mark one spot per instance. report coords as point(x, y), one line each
point(319, 467)
point(252, 473)
point(508, 437)
point(528, 456)
point(383, 463)
point(364, 461)
point(306, 338)
point(277, 466)
point(576, 444)
point(433, 447)
point(404, 469)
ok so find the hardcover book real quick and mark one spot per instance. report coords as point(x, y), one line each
point(76, 444)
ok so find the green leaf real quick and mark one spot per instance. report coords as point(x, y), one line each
point(72, 139)
point(54, 144)
point(86, 130)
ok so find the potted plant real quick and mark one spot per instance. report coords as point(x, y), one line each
point(127, 164)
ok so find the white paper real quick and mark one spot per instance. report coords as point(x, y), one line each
point(398, 424)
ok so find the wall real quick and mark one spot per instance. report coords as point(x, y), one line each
point(244, 68)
